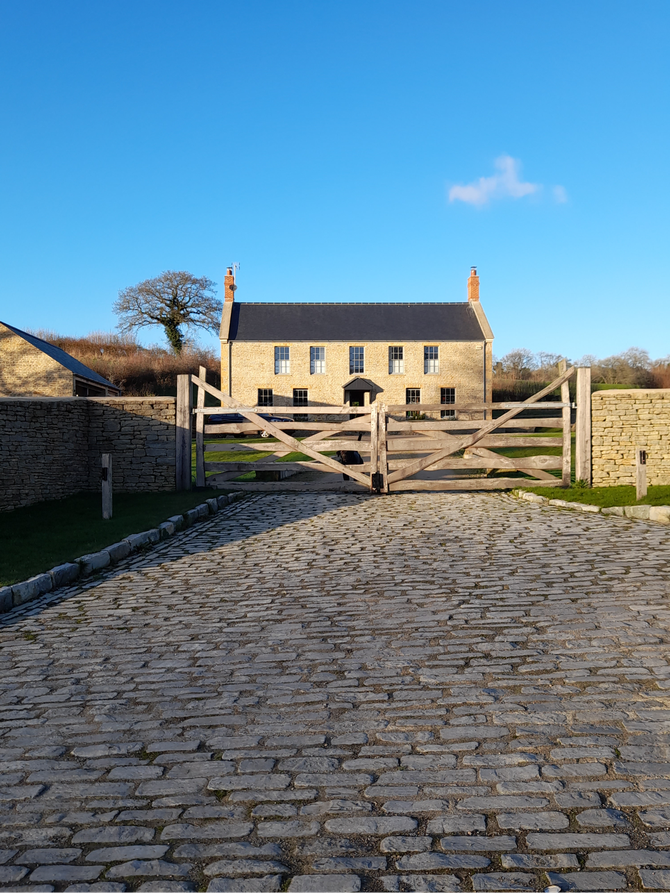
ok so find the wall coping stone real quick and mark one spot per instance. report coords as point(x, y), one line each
point(19, 594)
point(92, 399)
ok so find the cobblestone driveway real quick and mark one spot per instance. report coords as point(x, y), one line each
point(332, 692)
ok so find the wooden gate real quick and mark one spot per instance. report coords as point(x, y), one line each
point(402, 449)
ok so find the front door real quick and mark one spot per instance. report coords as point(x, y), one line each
point(355, 398)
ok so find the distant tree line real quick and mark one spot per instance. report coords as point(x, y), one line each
point(521, 373)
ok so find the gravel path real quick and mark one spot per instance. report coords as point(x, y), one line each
point(332, 692)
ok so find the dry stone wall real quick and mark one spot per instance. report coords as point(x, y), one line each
point(51, 447)
point(622, 421)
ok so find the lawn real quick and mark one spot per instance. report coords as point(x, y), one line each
point(43, 535)
point(226, 454)
point(605, 497)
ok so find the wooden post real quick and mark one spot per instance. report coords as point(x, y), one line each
point(382, 462)
point(640, 473)
point(107, 486)
point(583, 426)
point(374, 441)
point(200, 433)
point(567, 428)
point(183, 433)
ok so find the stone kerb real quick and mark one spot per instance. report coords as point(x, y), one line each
point(65, 574)
point(623, 420)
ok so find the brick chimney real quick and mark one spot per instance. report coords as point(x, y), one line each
point(229, 286)
point(473, 285)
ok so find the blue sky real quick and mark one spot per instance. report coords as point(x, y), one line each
point(353, 151)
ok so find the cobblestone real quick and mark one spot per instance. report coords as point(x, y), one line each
point(477, 700)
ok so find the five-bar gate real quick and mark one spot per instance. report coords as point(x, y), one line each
point(401, 448)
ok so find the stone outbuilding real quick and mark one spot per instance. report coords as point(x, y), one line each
point(31, 367)
point(310, 354)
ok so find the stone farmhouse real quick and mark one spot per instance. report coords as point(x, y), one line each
point(31, 367)
point(309, 354)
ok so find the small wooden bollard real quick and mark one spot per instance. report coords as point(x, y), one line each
point(106, 486)
point(640, 473)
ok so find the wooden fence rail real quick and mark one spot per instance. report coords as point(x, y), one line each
point(399, 452)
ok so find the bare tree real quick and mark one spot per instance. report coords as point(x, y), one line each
point(519, 363)
point(173, 300)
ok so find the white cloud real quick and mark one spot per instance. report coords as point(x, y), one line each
point(560, 195)
point(504, 184)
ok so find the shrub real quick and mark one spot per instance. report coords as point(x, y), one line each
point(138, 371)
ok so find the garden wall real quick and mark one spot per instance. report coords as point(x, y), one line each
point(51, 447)
point(623, 420)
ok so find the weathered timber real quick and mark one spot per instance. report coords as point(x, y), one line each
point(469, 424)
point(382, 462)
point(467, 407)
point(567, 428)
point(640, 472)
point(279, 434)
point(282, 410)
point(260, 465)
point(534, 462)
point(335, 486)
point(183, 433)
point(106, 486)
point(200, 433)
point(583, 425)
point(326, 446)
point(472, 439)
point(469, 484)
point(374, 441)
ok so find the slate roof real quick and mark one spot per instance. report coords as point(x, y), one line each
point(60, 356)
point(354, 322)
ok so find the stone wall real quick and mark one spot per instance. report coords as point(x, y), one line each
point(461, 365)
point(26, 370)
point(139, 432)
point(51, 447)
point(623, 420)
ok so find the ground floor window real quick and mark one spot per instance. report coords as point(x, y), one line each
point(447, 396)
point(265, 397)
point(300, 399)
point(412, 395)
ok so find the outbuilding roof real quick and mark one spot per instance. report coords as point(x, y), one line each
point(354, 322)
point(60, 356)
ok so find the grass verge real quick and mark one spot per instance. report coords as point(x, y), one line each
point(605, 497)
point(40, 536)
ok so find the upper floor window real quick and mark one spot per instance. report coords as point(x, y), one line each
point(447, 397)
point(356, 360)
point(396, 360)
point(431, 359)
point(282, 360)
point(317, 360)
point(265, 397)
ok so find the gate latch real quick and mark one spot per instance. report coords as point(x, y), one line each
point(378, 481)
point(104, 473)
point(642, 457)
